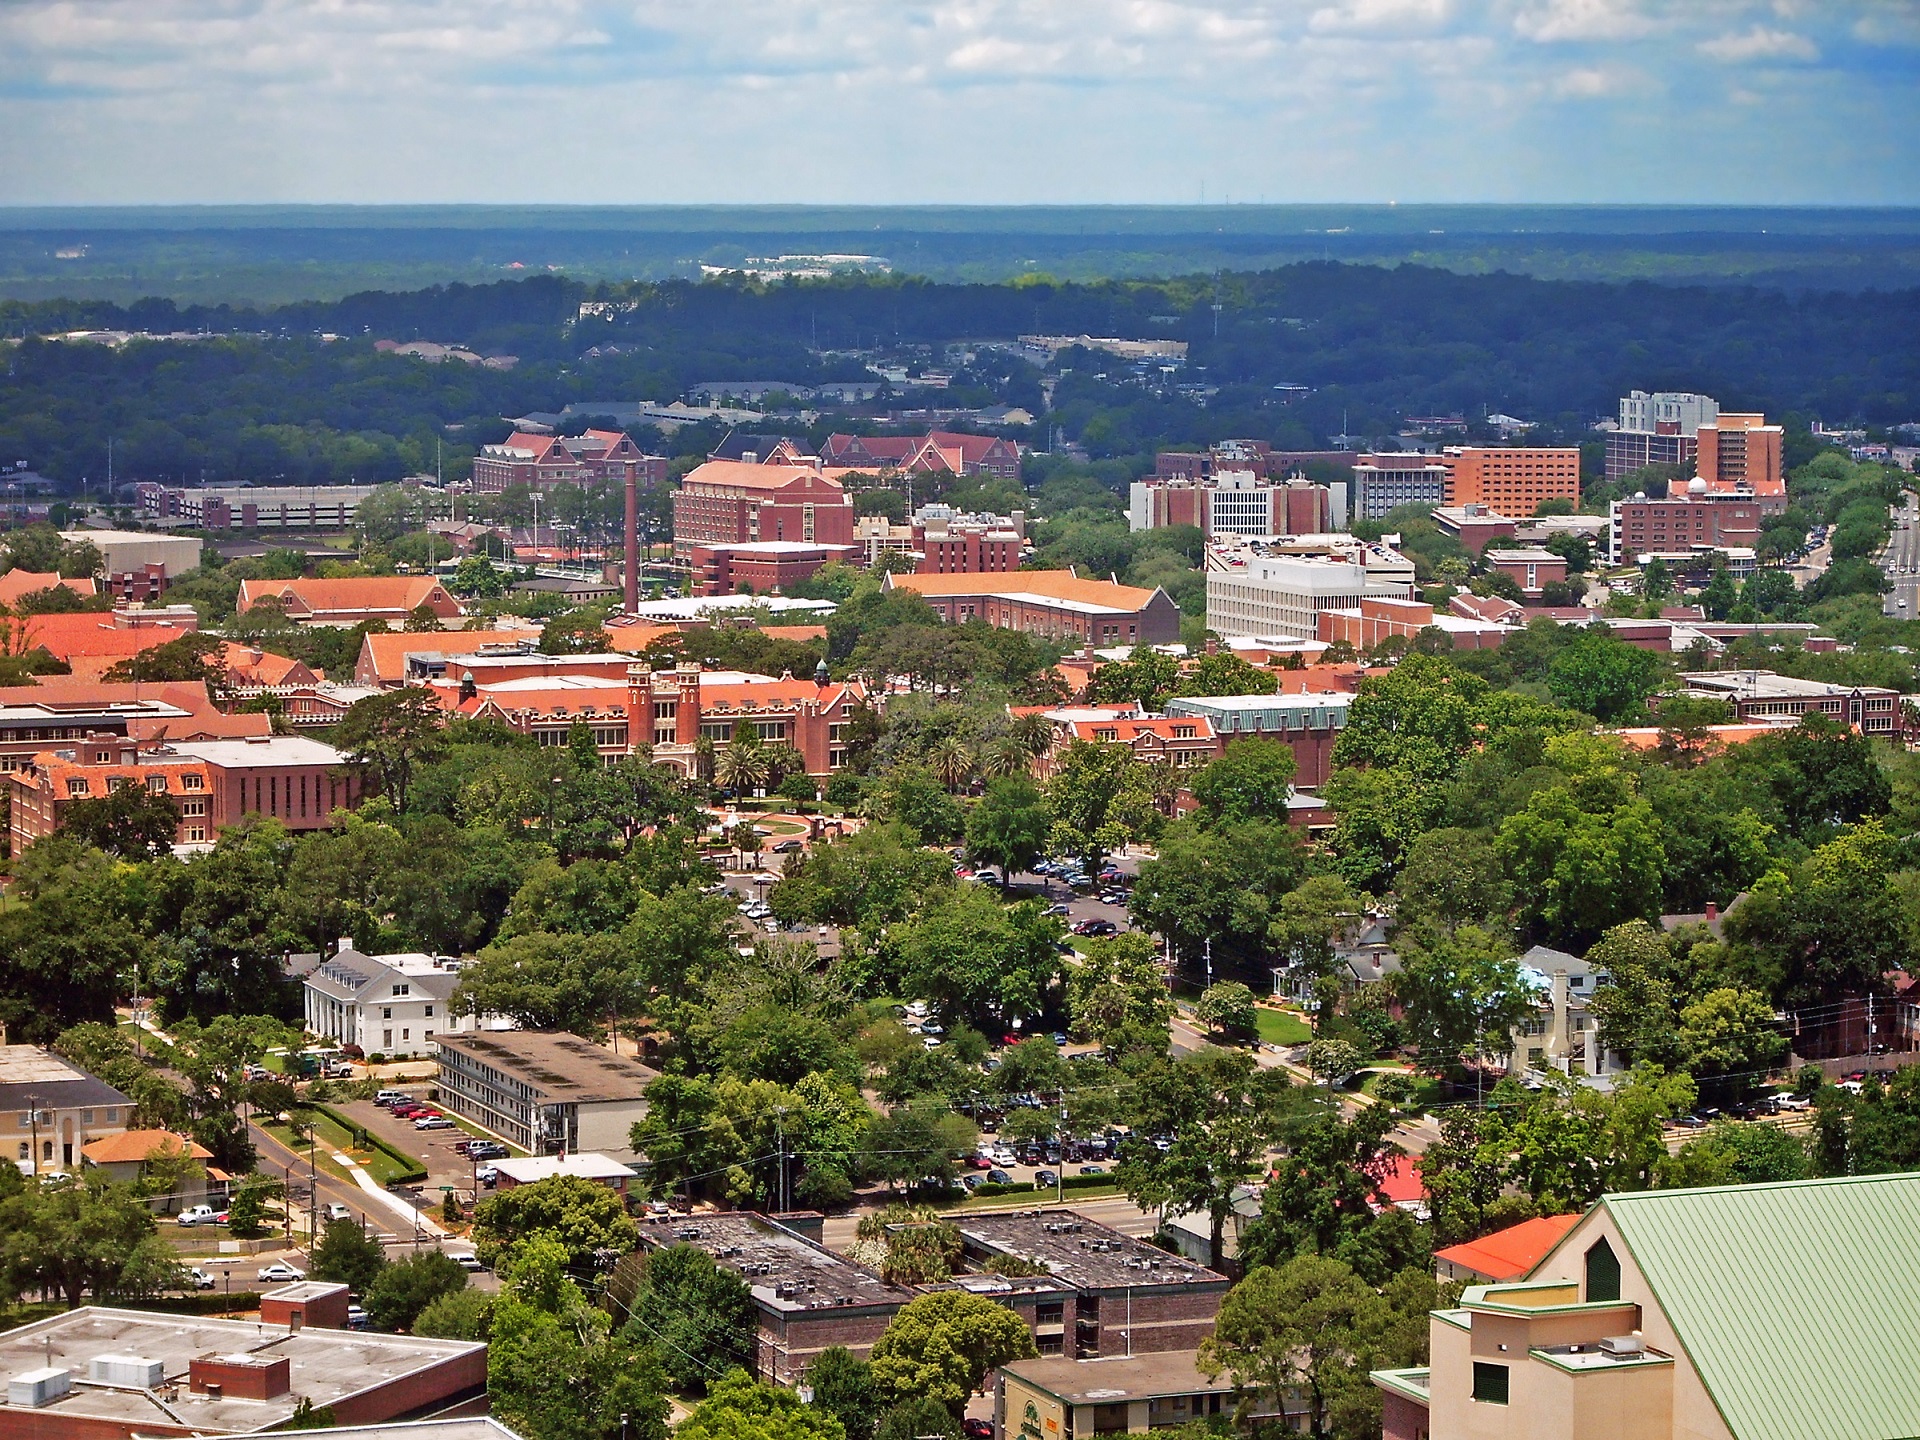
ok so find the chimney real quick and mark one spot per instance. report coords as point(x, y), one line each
point(1713, 911)
point(631, 591)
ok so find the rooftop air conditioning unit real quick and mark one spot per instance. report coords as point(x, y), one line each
point(134, 1372)
point(1622, 1347)
point(35, 1388)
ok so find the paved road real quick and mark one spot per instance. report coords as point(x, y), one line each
point(1901, 562)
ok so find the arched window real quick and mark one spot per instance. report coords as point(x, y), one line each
point(1603, 1272)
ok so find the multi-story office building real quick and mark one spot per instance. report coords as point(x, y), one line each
point(1056, 604)
point(393, 1005)
point(730, 502)
point(1694, 516)
point(1659, 429)
point(1514, 480)
point(1236, 502)
point(1764, 695)
point(1742, 453)
point(1254, 591)
point(1383, 483)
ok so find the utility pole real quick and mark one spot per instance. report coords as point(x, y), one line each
point(33, 1120)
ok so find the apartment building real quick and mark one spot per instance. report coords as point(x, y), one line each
point(731, 502)
point(1383, 483)
point(545, 1091)
point(1739, 1312)
point(1057, 604)
point(1513, 480)
point(540, 462)
point(51, 1110)
point(1695, 516)
point(213, 783)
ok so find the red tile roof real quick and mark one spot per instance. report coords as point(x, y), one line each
point(369, 593)
point(91, 642)
point(383, 658)
point(16, 583)
point(139, 1146)
point(1512, 1253)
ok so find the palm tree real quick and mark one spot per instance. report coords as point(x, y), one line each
point(1004, 756)
point(1033, 731)
point(1165, 781)
point(952, 760)
point(741, 766)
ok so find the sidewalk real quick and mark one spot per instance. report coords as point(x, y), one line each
point(402, 1208)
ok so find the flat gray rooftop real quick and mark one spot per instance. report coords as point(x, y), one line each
point(1081, 1253)
point(560, 1066)
point(785, 1271)
point(1121, 1377)
point(325, 1365)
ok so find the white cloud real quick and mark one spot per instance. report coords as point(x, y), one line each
point(1759, 43)
point(1561, 20)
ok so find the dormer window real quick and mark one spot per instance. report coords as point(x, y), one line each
point(76, 787)
point(191, 782)
point(157, 784)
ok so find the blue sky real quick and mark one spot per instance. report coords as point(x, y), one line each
point(959, 101)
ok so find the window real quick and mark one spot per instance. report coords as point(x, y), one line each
point(86, 1117)
point(113, 1115)
point(429, 1012)
point(157, 784)
point(386, 1012)
point(76, 787)
point(1489, 1383)
point(192, 782)
point(193, 807)
point(1603, 1272)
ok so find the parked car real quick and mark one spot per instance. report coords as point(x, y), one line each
point(1045, 1177)
point(1788, 1101)
point(970, 1183)
point(466, 1260)
point(976, 1429)
point(786, 847)
point(1093, 1169)
point(357, 1318)
point(337, 1211)
point(281, 1273)
point(999, 1177)
point(433, 1122)
point(487, 1176)
point(196, 1215)
point(1059, 907)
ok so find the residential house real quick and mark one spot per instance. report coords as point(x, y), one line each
point(51, 1110)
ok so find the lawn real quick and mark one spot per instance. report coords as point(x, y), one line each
point(1282, 1027)
point(1427, 1089)
point(331, 1137)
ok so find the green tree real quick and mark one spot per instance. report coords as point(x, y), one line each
point(1731, 1036)
point(1146, 678)
point(84, 1237)
point(1115, 988)
point(1466, 994)
point(458, 1315)
point(129, 821)
point(1217, 1111)
point(406, 1287)
point(247, 1211)
point(587, 1220)
point(1217, 888)
point(1325, 1199)
point(1010, 827)
point(738, 1408)
point(843, 1386)
point(869, 879)
point(386, 737)
point(348, 1254)
point(1452, 877)
point(1253, 780)
point(1731, 1153)
point(974, 957)
point(1228, 1008)
point(1311, 1327)
point(700, 1316)
point(942, 1346)
point(1601, 675)
point(1579, 871)
point(1101, 801)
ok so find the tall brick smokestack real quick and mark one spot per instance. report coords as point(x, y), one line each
point(632, 595)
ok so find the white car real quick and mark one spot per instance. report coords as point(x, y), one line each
point(196, 1215)
point(337, 1211)
point(280, 1271)
point(466, 1260)
point(197, 1279)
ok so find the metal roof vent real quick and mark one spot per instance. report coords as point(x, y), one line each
point(1622, 1347)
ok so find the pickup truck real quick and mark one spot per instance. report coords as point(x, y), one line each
point(197, 1215)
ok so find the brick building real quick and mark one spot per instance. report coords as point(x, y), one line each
point(938, 451)
point(1236, 502)
point(1513, 480)
point(1763, 695)
point(677, 715)
point(1185, 742)
point(1474, 526)
point(1102, 1292)
point(729, 502)
point(1056, 604)
point(99, 1373)
point(1695, 516)
point(354, 599)
point(63, 709)
point(1743, 452)
point(760, 567)
point(1375, 618)
point(540, 462)
point(92, 642)
point(292, 779)
point(1531, 567)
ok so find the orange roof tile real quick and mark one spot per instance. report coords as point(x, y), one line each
point(1647, 737)
point(1511, 1253)
point(138, 1146)
point(739, 474)
point(248, 666)
point(1053, 584)
point(356, 592)
point(90, 642)
point(16, 583)
point(389, 651)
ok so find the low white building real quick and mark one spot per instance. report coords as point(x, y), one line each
point(1263, 589)
point(391, 1005)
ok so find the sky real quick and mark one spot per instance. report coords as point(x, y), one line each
point(959, 101)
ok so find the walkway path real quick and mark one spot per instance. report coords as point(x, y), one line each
point(400, 1207)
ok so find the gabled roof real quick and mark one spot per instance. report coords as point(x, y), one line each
point(383, 656)
point(16, 583)
point(369, 593)
point(91, 642)
point(737, 475)
point(1510, 1254)
point(1797, 1303)
point(138, 1146)
point(246, 665)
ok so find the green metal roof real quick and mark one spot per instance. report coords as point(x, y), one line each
point(1799, 1304)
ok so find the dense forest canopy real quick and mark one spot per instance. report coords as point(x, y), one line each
point(269, 399)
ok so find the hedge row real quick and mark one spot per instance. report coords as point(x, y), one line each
point(1027, 1187)
point(413, 1172)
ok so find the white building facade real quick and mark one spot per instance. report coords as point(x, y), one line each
point(1253, 594)
point(391, 1005)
